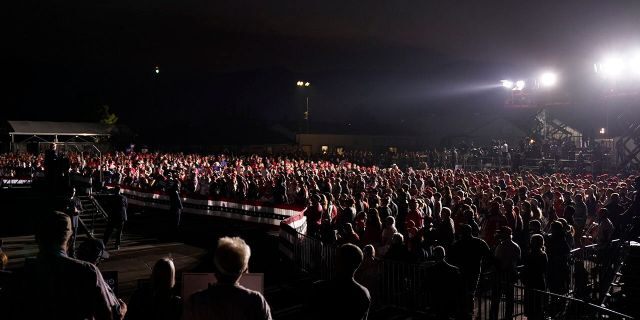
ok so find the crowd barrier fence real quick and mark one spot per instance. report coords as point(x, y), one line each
point(500, 297)
point(406, 285)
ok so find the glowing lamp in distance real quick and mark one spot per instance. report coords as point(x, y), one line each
point(507, 84)
point(548, 79)
point(611, 67)
point(634, 63)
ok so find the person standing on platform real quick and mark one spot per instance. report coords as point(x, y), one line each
point(73, 210)
point(117, 217)
point(175, 205)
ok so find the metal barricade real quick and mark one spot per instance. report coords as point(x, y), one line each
point(592, 269)
point(404, 285)
point(498, 295)
point(314, 257)
point(501, 297)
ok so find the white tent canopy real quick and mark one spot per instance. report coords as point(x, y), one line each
point(50, 128)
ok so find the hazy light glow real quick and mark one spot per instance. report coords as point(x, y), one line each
point(602, 131)
point(548, 79)
point(520, 84)
point(306, 84)
point(634, 63)
point(507, 84)
point(612, 66)
point(157, 70)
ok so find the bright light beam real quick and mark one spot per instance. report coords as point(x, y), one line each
point(548, 79)
point(634, 63)
point(507, 84)
point(612, 66)
point(520, 84)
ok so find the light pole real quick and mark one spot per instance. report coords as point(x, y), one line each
point(305, 84)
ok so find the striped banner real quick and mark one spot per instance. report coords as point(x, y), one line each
point(15, 181)
point(290, 231)
point(249, 211)
point(291, 219)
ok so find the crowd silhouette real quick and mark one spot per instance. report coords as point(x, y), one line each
point(520, 224)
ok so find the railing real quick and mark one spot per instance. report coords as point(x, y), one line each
point(98, 205)
point(508, 299)
point(534, 164)
point(407, 285)
point(403, 285)
point(500, 298)
point(314, 257)
point(592, 269)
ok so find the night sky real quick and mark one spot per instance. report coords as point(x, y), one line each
point(225, 64)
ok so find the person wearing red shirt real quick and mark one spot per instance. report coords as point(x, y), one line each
point(373, 229)
point(494, 221)
point(349, 235)
point(415, 215)
point(513, 218)
point(558, 204)
point(314, 215)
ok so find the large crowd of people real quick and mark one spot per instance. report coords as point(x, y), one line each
point(493, 219)
point(462, 220)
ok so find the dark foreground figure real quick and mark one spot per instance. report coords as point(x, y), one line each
point(59, 287)
point(343, 297)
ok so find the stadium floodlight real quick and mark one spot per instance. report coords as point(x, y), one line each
point(548, 79)
point(612, 66)
point(520, 84)
point(507, 84)
point(602, 131)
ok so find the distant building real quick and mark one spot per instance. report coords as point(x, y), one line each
point(320, 143)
